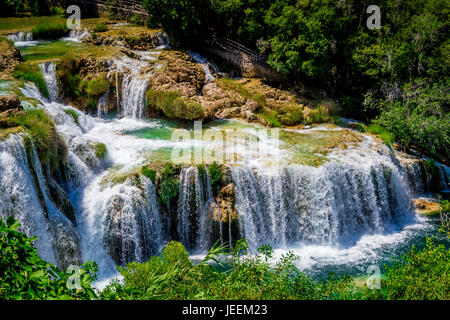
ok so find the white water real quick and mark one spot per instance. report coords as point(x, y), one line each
point(49, 72)
point(204, 64)
point(77, 35)
point(23, 39)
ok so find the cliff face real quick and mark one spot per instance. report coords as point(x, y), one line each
point(9, 58)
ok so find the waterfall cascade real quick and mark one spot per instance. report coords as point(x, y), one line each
point(360, 191)
point(49, 72)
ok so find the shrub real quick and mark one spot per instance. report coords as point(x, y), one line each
point(215, 177)
point(168, 184)
point(100, 27)
point(96, 87)
point(149, 173)
point(384, 135)
point(173, 106)
point(67, 72)
point(271, 117)
point(293, 115)
point(24, 275)
point(33, 73)
point(420, 275)
point(49, 31)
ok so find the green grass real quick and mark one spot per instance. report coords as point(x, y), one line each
point(42, 132)
point(100, 150)
point(271, 117)
point(32, 72)
point(49, 31)
point(73, 114)
point(149, 173)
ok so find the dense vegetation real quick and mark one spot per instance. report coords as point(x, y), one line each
point(23, 275)
point(395, 76)
point(172, 105)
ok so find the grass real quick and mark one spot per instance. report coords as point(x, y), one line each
point(173, 106)
point(271, 117)
point(49, 31)
point(32, 72)
point(100, 27)
point(42, 132)
point(384, 135)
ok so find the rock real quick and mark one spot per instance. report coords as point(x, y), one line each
point(9, 102)
point(9, 57)
point(61, 200)
point(426, 207)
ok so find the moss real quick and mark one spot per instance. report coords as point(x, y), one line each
point(100, 27)
point(293, 115)
point(271, 117)
point(168, 184)
point(173, 106)
point(73, 114)
point(149, 173)
point(32, 72)
point(49, 145)
point(100, 150)
point(97, 86)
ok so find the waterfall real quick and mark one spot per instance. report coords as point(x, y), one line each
point(204, 64)
point(195, 196)
point(49, 72)
point(134, 84)
point(22, 39)
point(77, 35)
point(24, 195)
point(102, 107)
point(330, 205)
point(124, 220)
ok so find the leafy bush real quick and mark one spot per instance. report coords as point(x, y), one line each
point(97, 86)
point(33, 73)
point(24, 275)
point(168, 184)
point(215, 177)
point(172, 105)
point(420, 275)
point(49, 31)
point(67, 71)
point(100, 27)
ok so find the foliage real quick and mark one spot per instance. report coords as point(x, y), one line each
point(420, 275)
point(67, 71)
point(24, 275)
point(149, 173)
point(33, 73)
point(96, 87)
point(100, 27)
point(215, 177)
point(386, 136)
point(167, 185)
point(172, 105)
point(49, 31)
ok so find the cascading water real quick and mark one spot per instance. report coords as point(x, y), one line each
point(193, 204)
point(134, 84)
point(330, 205)
point(77, 35)
point(49, 72)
